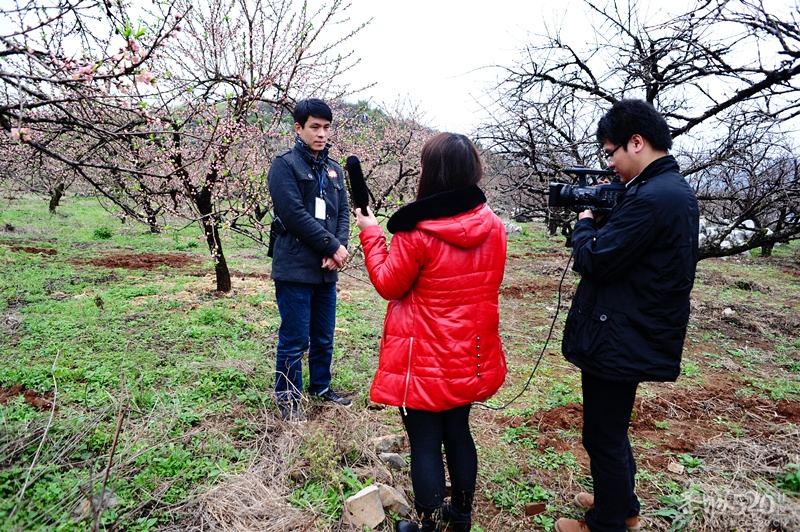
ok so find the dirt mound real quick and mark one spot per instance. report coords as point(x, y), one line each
point(560, 418)
point(144, 261)
point(678, 420)
point(27, 249)
point(32, 398)
point(530, 289)
point(789, 410)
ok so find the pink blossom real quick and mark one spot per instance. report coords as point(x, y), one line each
point(21, 134)
point(145, 77)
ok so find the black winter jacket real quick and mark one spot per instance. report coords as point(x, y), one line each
point(294, 186)
point(629, 315)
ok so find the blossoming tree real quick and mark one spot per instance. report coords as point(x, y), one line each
point(178, 113)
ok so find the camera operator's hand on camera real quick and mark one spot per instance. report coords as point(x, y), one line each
point(363, 220)
point(588, 213)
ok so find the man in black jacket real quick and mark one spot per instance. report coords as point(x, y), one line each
point(629, 315)
point(313, 223)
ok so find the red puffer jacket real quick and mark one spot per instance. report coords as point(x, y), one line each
point(440, 347)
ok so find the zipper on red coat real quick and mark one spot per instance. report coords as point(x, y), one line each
point(408, 374)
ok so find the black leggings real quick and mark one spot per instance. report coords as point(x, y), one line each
point(427, 431)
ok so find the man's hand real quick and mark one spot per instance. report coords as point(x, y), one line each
point(588, 213)
point(337, 260)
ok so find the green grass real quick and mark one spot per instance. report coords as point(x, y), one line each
point(148, 349)
point(175, 381)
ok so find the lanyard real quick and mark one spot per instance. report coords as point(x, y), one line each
point(321, 178)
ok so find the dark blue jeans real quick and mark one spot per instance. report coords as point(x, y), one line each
point(607, 407)
point(308, 318)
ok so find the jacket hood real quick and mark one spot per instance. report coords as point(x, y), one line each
point(459, 217)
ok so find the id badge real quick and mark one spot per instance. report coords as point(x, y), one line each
point(319, 208)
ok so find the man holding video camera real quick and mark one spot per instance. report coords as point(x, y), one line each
point(629, 314)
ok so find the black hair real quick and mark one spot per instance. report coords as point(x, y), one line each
point(630, 117)
point(449, 161)
point(311, 107)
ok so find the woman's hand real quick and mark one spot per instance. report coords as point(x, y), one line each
point(364, 221)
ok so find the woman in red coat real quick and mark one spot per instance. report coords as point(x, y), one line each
point(440, 349)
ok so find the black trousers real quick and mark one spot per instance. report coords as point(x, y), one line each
point(607, 407)
point(427, 432)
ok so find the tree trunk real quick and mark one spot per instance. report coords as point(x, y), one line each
point(152, 219)
point(209, 220)
point(553, 224)
point(211, 229)
point(55, 197)
point(215, 246)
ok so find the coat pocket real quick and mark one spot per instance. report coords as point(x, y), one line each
point(588, 330)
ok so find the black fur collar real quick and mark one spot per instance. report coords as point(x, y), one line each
point(437, 206)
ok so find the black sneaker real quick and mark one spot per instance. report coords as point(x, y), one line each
point(330, 395)
point(292, 412)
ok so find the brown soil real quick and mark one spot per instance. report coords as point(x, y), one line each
point(144, 261)
point(27, 249)
point(677, 420)
point(32, 398)
point(520, 291)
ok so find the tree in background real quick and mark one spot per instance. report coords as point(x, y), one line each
point(723, 75)
point(64, 75)
point(388, 142)
point(183, 116)
point(25, 171)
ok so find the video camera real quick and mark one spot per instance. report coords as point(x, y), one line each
point(598, 198)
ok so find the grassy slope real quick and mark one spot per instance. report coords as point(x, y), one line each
point(175, 380)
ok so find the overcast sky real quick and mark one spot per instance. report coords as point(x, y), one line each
point(438, 53)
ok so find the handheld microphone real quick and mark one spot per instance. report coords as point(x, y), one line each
point(358, 186)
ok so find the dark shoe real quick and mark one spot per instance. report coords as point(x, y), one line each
point(456, 521)
point(406, 526)
point(586, 501)
point(430, 521)
point(292, 412)
point(330, 395)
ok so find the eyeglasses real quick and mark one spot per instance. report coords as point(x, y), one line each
point(610, 154)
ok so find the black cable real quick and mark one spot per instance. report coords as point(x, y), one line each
point(544, 348)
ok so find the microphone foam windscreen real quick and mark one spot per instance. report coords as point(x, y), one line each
point(358, 185)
